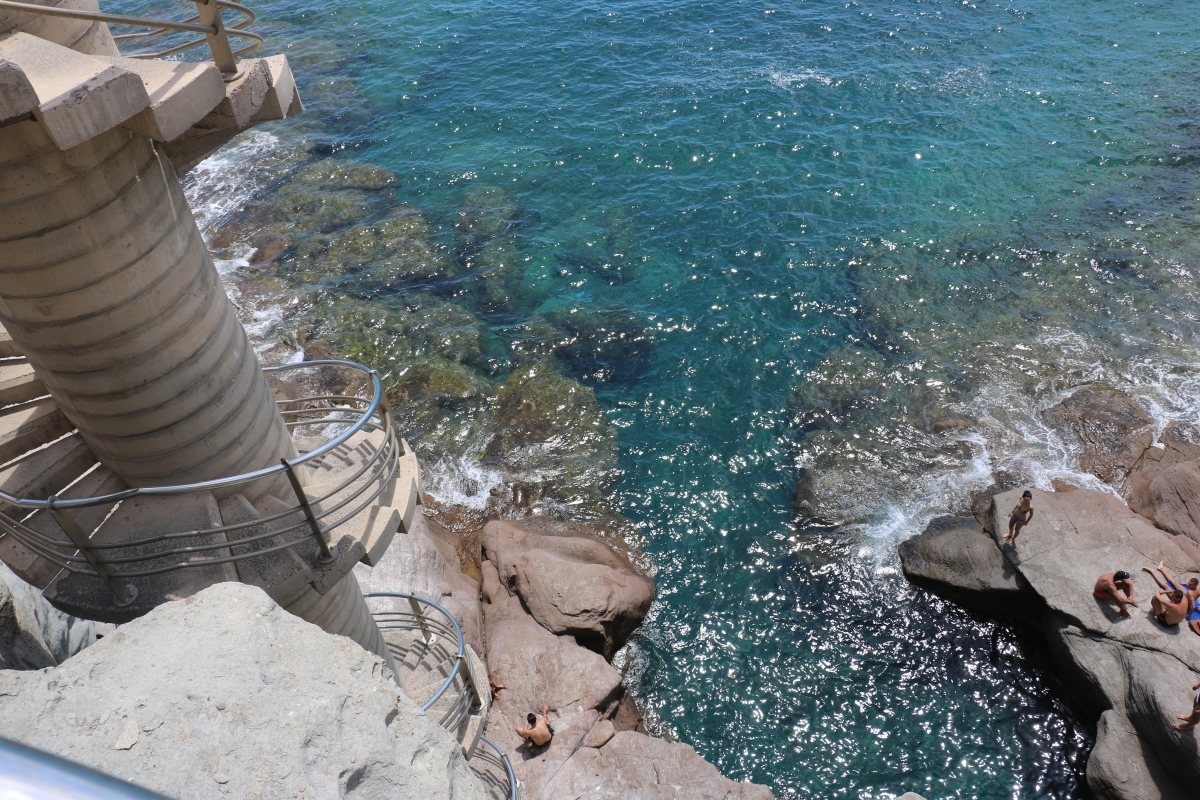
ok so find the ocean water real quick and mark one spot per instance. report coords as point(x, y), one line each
point(864, 243)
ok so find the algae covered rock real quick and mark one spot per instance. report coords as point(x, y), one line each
point(398, 249)
point(325, 195)
point(601, 347)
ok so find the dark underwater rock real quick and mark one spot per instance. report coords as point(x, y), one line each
point(601, 347)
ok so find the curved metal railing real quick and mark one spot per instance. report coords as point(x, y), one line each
point(311, 519)
point(423, 628)
point(207, 21)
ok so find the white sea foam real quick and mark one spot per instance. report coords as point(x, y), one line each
point(220, 185)
point(798, 79)
point(461, 481)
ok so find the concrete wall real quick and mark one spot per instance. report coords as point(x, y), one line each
point(92, 38)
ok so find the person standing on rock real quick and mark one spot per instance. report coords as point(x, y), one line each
point(1022, 515)
point(1190, 720)
point(1109, 587)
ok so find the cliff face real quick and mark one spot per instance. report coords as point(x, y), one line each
point(1132, 676)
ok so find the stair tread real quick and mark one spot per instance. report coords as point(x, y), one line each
point(283, 574)
point(79, 96)
point(28, 425)
point(136, 518)
point(36, 570)
point(8, 348)
point(18, 383)
point(43, 472)
point(181, 94)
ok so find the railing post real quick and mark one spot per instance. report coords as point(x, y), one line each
point(123, 593)
point(218, 43)
point(388, 417)
point(328, 554)
point(416, 609)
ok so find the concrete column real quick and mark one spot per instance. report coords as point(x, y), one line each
point(108, 288)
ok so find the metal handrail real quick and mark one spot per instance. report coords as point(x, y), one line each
point(319, 516)
point(392, 620)
point(513, 793)
point(208, 21)
point(28, 772)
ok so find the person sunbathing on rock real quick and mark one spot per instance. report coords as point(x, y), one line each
point(539, 732)
point(1191, 588)
point(1190, 720)
point(1170, 608)
point(1109, 587)
point(1022, 515)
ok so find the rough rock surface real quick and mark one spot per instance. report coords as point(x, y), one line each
point(1122, 765)
point(225, 694)
point(956, 558)
point(1177, 443)
point(33, 633)
point(416, 563)
point(571, 585)
point(586, 697)
point(1112, 430)
point(1172, 500)
point(635, 767)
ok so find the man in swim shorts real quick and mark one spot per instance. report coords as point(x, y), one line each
point(1190, 720)
point(1021, 516)
point(538, 732)
point(1170, 608)
point(1191, 591)
point(1110, 585)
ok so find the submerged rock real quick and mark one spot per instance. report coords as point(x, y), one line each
point(1112, 429)
point(325, 195)
point(601, 347)
point(225, 694)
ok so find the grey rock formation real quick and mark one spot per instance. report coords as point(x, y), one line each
point(954, 557)
point(632, 766)
point(1122, 765)
point(571, 585)
point(1112, 430)
point(225, 694)
point(33, 633)
point(910, 796)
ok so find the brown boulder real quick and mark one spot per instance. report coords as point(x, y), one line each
point(571, 585)
point(1178, 442)
point(1112, 430)
point(1173, 500)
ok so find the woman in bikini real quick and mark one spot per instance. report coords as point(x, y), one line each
point(1021, 516)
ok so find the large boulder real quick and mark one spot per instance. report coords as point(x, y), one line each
point(572, 585)
point(633, 766)
point(1172, 500)
point(955, 558)
point(33, 633)
point(1178, 442)
point(1111, 429)
point(225, 694)
point(1123, 767)
point(1159, 690)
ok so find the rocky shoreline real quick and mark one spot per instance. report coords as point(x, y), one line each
point(1130, 678)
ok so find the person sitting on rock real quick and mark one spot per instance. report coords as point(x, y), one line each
point(1022, 515)
point(1191, 588)
point(1190, 720)
point(1109, 587)
point(1170, 608)
point(539, 732)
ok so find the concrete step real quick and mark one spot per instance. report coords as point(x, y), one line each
point(283, 574)
point(41, 473)
point(265, 91)
point(17, 97)
point(33, 568)
point(18, 383)
point(140, 517)
point(28, 425)
point(79, 96)
point(8, 348)
point(181, 94)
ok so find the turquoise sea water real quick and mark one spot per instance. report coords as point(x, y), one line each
point(868, 241)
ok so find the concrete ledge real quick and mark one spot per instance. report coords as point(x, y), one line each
point(17, 96)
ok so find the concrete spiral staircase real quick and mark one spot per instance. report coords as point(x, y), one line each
point(143, 453)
